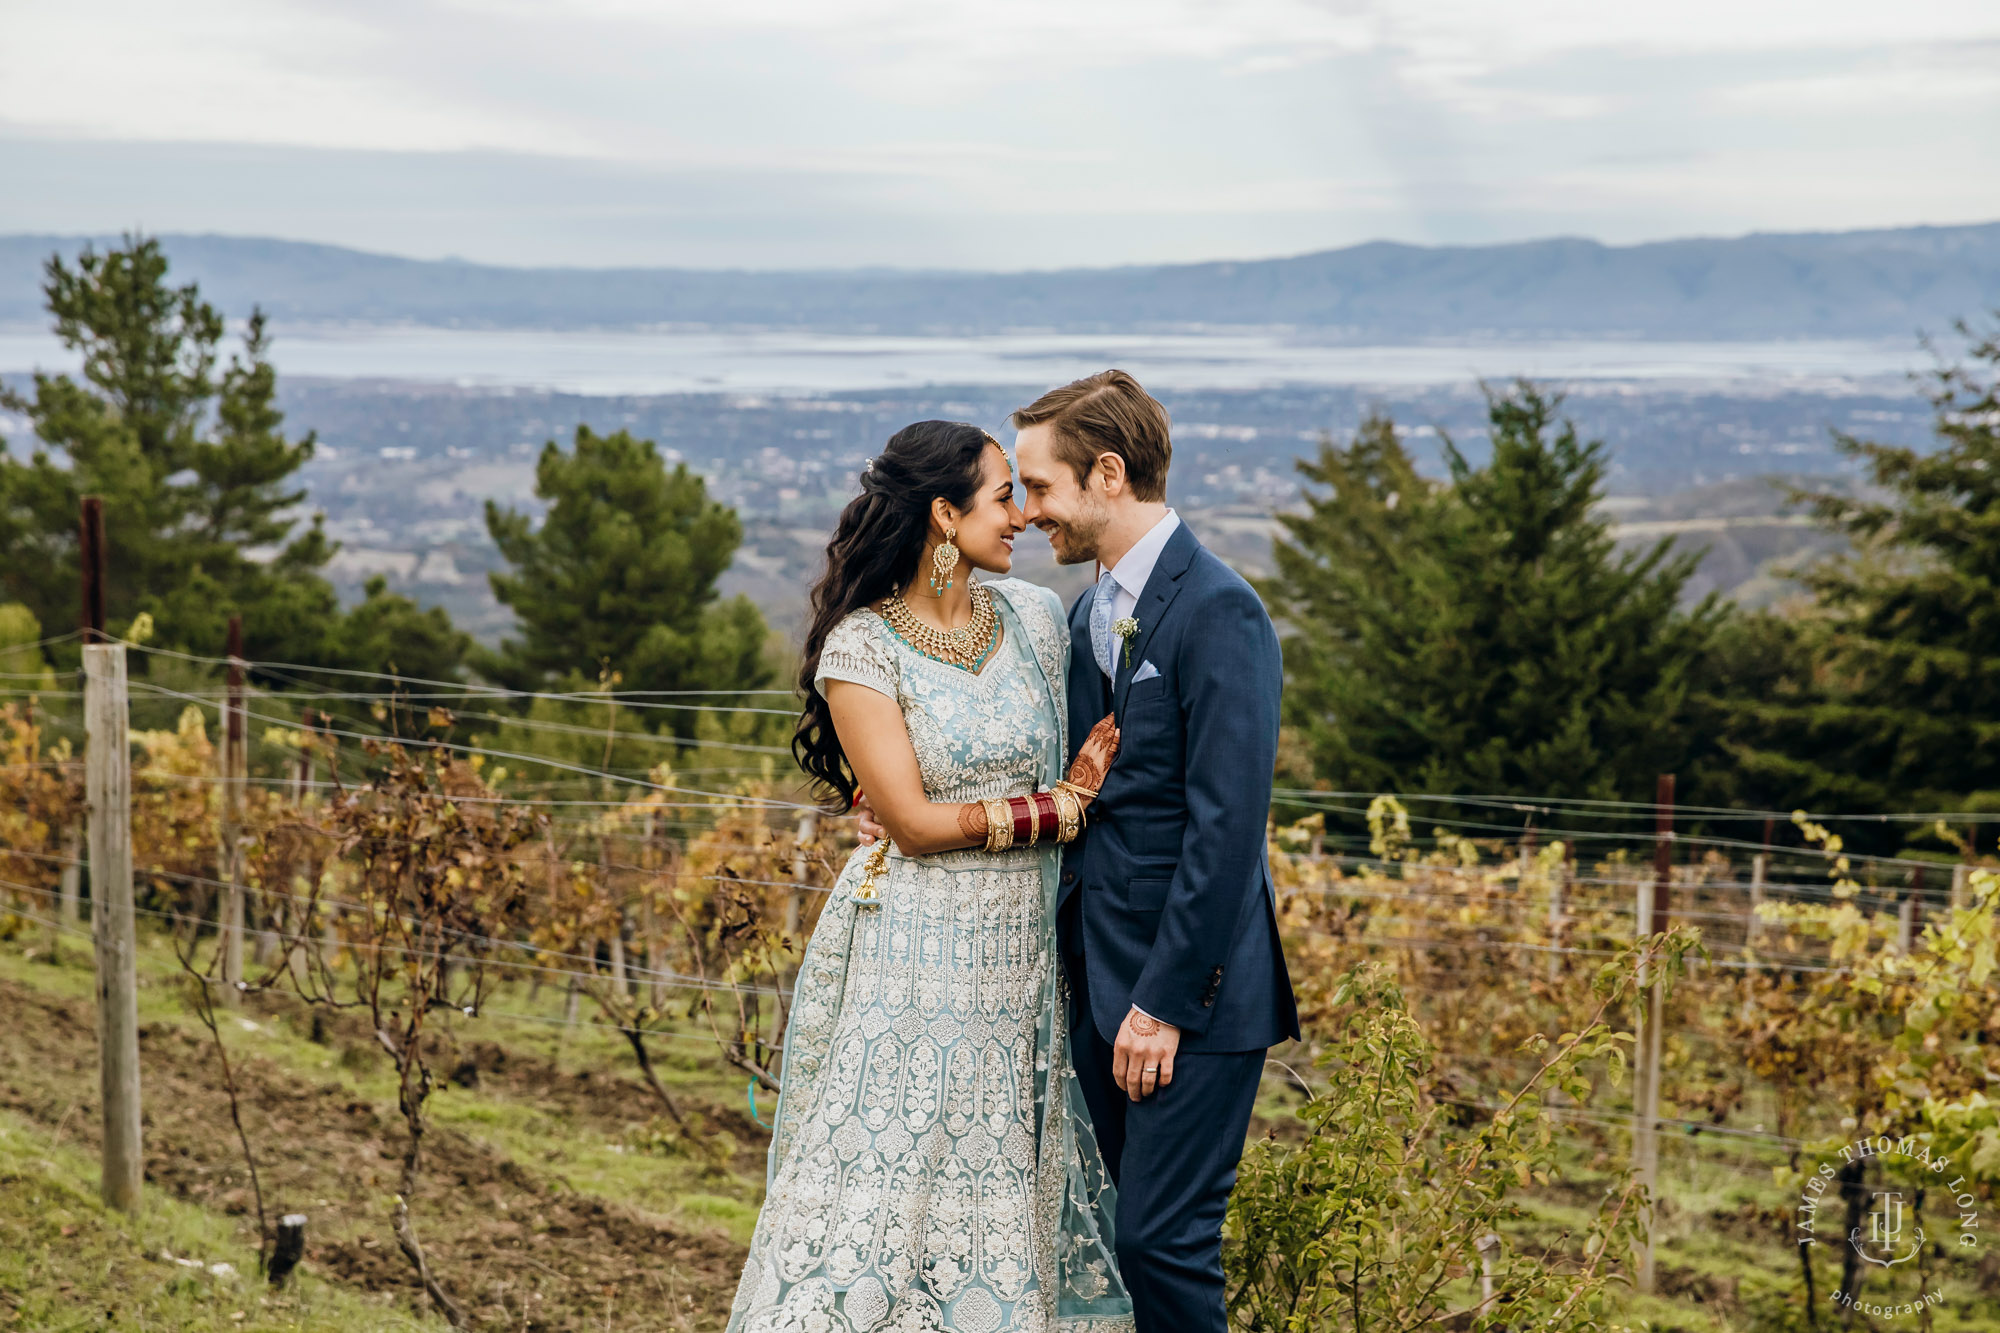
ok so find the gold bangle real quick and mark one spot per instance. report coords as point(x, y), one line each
point(999, 825)
point(1069, 812)
point(1034, 821)
point(1081, 795)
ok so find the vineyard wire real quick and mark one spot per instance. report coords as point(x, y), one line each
point(1641, 810)
point(670, 980)
point(418, 743)
point(1755, 964)
point(1610, 1119)
point(461, 686)
point(1607, 1119)
point(524, 723)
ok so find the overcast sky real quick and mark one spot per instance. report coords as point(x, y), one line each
point(989, 133)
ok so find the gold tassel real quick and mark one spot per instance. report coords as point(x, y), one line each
point(865, 892)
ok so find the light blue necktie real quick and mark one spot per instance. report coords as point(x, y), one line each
point(1100, 622)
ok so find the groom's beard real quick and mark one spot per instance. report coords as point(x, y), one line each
point(1076, 541)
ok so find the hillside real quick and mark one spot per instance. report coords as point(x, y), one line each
point(1863, 284)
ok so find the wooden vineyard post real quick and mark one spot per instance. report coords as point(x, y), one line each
point(1752, 926)
point(569, 1009)
point(1488, 1246)
point(794, 902)
point(302, 781)
point(1760, 875)
point(649, 919)
point(1910, 913)
point(616, 942)
point(230, 922)
point(1558, 920)
point(556, 887)
point(1961, 877)
point(1653, 918)
point(108, 785)
point(107, 789)
point(1645, 1141)
point(90, 562)
point(70, 908)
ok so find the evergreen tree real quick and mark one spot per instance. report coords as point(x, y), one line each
point(388, 632)
point(621, 573)
point(1340, 578)
point(1886, 697)
point(1482, 636)
point(196, 472)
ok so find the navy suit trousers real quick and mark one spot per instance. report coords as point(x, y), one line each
point(1173, 1157)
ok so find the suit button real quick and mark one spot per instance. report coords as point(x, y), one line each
point(1069, 877)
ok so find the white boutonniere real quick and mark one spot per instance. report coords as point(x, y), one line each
point(1126, 628)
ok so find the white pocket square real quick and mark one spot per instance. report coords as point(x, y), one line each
point(1146, 671)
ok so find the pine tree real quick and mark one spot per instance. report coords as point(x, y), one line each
point(190, 455)
point(621, 574)
point(1344, 581)
point(385, 631)
point(1888, 696)
point(1483, 636)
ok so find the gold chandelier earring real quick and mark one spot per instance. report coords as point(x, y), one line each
point(944, 563)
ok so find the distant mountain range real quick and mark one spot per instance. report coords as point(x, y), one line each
point(1861, 284)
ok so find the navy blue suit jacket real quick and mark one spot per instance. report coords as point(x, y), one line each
point(1175, 910)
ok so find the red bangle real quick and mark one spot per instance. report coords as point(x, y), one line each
point(1045, 803)
point(1018, 807)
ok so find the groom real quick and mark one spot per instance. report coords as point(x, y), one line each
point(1166, 919)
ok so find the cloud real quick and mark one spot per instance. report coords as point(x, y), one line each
point(794, 128)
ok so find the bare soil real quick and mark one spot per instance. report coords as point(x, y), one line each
point(517, 1245)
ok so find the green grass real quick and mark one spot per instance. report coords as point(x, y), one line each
point(65, 1261)
point(68, 1262)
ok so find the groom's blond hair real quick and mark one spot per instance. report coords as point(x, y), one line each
point(1107, 413)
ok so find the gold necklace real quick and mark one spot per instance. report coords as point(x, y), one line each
point(968, 646)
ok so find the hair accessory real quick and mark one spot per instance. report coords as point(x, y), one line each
point(944, 563)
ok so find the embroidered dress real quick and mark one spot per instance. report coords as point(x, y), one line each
point(932, 1166)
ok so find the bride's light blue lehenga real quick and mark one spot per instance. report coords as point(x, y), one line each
point(932, 1166)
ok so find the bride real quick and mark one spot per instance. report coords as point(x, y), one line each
point(932, 1165)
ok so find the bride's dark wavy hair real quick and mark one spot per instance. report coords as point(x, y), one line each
point(873, 553)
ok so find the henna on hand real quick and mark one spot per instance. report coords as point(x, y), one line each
point(1145, 1024)
point(972, 823)
point(1093, 761)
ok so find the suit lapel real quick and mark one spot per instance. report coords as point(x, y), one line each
point(1162, 586)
